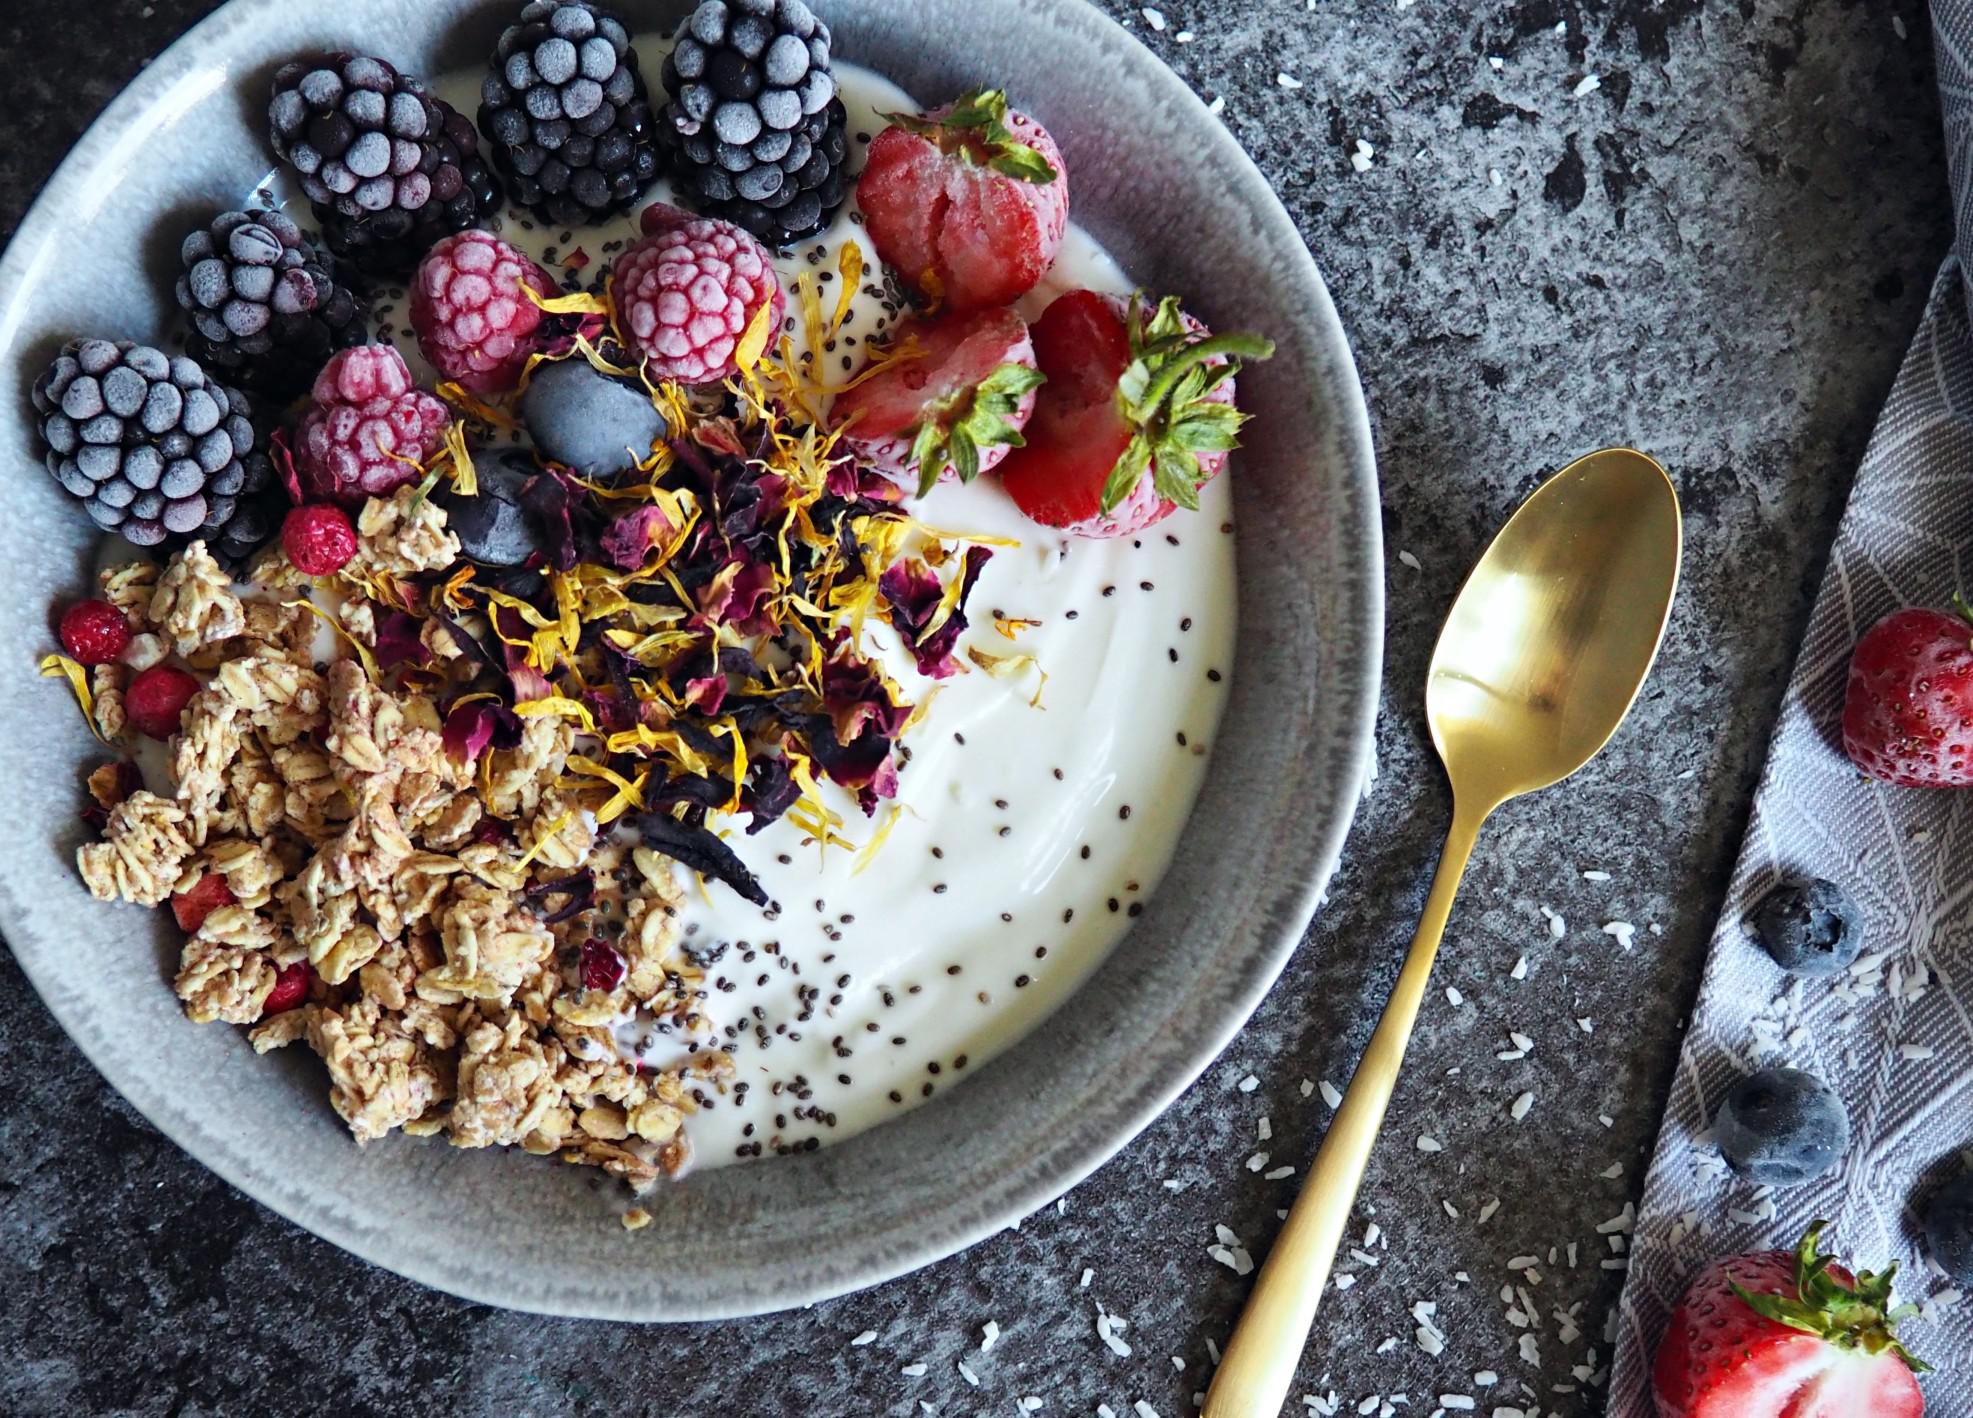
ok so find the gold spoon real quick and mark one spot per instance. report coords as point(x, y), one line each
point(1545, 650)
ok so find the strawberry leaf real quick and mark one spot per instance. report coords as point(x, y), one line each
point(1166, 392)
point(1847, 1316)
point(956, 430)
point(975, 130)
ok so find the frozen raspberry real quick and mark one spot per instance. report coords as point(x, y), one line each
point(206, 895)
point(94, 632)
point(368, 428)
point(318, 539)
point(291, 988)
point(474, 321)
point(156, 698)
point(602, 965)
point(686, 293)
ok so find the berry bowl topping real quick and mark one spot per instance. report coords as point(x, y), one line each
point(628, 654)
point(1136, 416)
point(967, 203)
point(368, 428)
point(564, 109)
point(470, 304)
point(687, 293)
point(1810, 927)
point(949, 402)
point(755, 130)
point(266, 308)
point(150, 443)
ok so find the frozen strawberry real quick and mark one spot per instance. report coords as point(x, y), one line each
point(953, 403)
point(1781, 1335)
point(94, 632)
point(205, 896)
point(156, 698)
point(1908, 712)
point(968, 203)
point(1137, 414)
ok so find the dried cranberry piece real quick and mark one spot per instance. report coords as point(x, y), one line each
point(602, 965)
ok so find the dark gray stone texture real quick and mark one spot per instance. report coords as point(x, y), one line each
point(1718, 254)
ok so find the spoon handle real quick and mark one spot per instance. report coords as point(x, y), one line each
point(1260, 1361)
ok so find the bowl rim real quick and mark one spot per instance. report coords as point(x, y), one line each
point(1355, 680)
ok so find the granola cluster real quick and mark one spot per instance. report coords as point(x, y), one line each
point(328, 828)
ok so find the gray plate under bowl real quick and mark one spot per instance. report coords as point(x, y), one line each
point(1161, 183)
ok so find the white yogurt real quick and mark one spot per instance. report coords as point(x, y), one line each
point(1026, 837)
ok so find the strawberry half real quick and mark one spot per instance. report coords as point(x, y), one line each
point(1908, 712)
point(968, 203)
point(1137, 414)
point(950, 403)
point(1780, 1335)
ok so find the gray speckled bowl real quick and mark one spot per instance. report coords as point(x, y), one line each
point(1161, 183)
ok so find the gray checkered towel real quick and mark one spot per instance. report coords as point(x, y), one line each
point(1895, 1036)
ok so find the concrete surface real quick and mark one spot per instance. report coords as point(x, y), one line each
point(1717, 251)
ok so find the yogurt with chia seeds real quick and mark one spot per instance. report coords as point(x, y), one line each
point(1033, 819)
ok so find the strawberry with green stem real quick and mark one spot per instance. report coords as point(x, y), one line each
point(1138, 413)
point(949, 401)
point(967, 203)
point(1787, 1335)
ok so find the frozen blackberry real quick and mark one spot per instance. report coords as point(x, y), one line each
point(265, 306)
point(150, 443)
point(754, 127)
point(389, 168)
point(565, 111)
point(241, 523)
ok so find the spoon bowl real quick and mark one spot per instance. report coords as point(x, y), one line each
point(1550, 638)
point(1543, 654)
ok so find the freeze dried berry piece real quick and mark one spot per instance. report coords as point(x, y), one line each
point(265, 305)
point(369, 428)
point(389, 168)
point(291, 987)
point(754, 127)
point(688, 291)
point(318, 539)
point(967, 203)
point(494, 525)
point(156, 698)
point(201, 899)
point(1137, 415)
point(94, 632)
point(472, 314)
point(953, 406)
point(149, 443)
point(565, 112)
point(592, 424)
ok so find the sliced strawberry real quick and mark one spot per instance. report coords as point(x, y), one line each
point(205, 896)
point(1137, 415)
point(967, 203)
point(951, 405)
point(1781, 1335)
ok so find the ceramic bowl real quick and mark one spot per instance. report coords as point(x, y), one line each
point(1166, 189)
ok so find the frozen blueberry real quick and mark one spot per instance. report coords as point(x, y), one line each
point(587, 421)
point(1810, 927)
point(492, 526)
point(1949, 1229)
point(1781, 1127)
